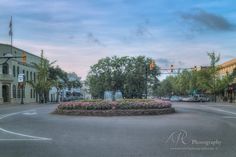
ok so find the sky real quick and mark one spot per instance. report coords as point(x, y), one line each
point(77, 33)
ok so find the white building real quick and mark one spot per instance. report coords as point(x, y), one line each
point(9, 71)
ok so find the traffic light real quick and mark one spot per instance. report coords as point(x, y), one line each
point(23, 57)
point(171, 68)
point(152, 65)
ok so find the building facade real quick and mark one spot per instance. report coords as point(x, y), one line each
point(228, 68)
point(10, 92)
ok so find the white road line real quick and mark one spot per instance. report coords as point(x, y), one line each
point(22, 139)
point(229, 117)
point(30, 113)
point(19, 134)
point(217, 105)
point(220, 110)
point(29, 136)
point(15, 113)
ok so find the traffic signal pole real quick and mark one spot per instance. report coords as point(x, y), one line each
point(11, 57)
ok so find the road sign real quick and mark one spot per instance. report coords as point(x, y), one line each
point(21, 78)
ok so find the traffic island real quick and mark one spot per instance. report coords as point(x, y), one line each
point(130, 107)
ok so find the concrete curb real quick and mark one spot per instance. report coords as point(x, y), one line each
point(106, 113)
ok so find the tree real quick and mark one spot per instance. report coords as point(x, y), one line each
point(58, 77)
point(206, 80)
point(214, 59)
point(130, 75)
point(43, 83)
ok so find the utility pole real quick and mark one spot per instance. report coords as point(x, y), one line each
point(146, 90)
point(22, 94)
point(10, 32)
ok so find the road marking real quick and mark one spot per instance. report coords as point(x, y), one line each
point(29, 136)
point(30, 113)
point(230, 117)
point(217, 105)
point(22, 139)
point(220, 110)
point(19, 134)
point(15, 113)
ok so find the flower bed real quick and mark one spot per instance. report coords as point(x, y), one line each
point(115, 108)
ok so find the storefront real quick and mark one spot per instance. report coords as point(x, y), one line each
point(231, 93)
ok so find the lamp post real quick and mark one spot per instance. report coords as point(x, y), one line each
point(22, 93)
point(21, 85)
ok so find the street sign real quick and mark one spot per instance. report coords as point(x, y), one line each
point(21, 78)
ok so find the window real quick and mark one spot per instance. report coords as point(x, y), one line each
point(31, 76)
point(34, 94)
point(5, 67)
point(27, 76)
point(14, 71)
point(14, 91)
point(18, 70)
point(34, 77)
point(31, 93)
point(18, 92)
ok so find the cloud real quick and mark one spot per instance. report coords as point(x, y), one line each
point(163, 62)
point(94, 40)
point(143, 29)
point(71, 37)
point(139, 32)
point(201, 20)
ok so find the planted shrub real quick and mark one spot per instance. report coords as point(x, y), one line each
point(115, 105)
point(125, 107)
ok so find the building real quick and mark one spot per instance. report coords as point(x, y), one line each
point(9, 71)
point(72, 91)
point(85, 91)
point(228, 68)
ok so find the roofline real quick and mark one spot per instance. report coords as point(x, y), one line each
point(19, 49)
point(228, 63)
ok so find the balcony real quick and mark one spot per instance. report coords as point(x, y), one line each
point(6, 77)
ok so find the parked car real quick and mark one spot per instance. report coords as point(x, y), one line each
point(196, 98)
point(175, 98)
point(202, 98)
point(189, 99)
point(165, 98)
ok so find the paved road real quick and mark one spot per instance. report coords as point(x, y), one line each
point(197, 129)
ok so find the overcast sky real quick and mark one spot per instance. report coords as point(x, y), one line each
point(77, 33)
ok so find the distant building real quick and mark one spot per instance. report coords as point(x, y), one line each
point(53, 94)
point(9, 71)
point(67, 93)
point(198, 68)
point(228, 68)
point(85, 91)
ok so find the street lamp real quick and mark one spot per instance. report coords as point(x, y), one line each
point(21, 80)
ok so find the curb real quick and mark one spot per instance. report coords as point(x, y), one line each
point(107, 113)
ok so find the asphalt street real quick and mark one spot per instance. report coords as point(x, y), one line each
point(195, 130)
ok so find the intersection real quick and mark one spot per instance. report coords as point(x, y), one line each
point(204, 129)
